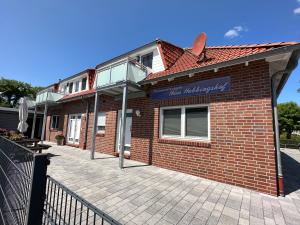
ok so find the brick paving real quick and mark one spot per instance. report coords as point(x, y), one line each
point(141, 194)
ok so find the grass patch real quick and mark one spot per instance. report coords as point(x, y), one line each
point(289, 143)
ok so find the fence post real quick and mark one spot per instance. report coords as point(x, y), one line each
point(38, 190)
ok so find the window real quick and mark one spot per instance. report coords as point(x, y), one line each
point(54, 122)
point(83, 84)
point(172, 122)
point(77, 85)
point(186, 122)
point(70, 88)
point(65, 89)
point(147, 60)
point(101, 122)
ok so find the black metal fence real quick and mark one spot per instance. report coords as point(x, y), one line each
point(20, 171)
point(62, 206)
point(29, 197)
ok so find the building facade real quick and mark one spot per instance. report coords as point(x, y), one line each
point(206, 111)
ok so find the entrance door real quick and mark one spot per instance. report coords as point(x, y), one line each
point(127, 131)
point(74, 128)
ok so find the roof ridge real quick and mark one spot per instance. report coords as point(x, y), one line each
point(261, 45)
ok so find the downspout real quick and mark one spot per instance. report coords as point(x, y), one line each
point(87, 116)
point(277, 84)
point(277, 137)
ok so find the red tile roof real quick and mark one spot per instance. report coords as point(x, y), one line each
point(169, 53)
point(70, 96)
point(214, 54)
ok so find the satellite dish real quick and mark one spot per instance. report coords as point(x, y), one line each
point(199, 44)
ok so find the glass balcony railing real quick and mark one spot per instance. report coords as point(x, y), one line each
point(48, 96)
point(120, 72)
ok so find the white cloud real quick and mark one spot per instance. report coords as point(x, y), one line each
point(297, 10)
point(235, 31)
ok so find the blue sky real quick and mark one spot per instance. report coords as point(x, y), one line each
point(44, 40)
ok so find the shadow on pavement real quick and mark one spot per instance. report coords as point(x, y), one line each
point(291, 173)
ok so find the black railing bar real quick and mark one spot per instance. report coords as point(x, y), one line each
point(49, 219)
point(17, 150)
point(47, 195)
point(57, 199)
point(4, 223)
point(25, 175)
point(17, 212)
point(61, 205)
point(53, 202)
point(65, 211)
point(9, 207)
point(89, 205)
point(50, 193)
point(80, 217)
point(10, 198)
point(76, 201)
point(17, 144)
point(70, 209)
point(12, 187)
point(94, 220)
point(87, 216)
point(13, 168)
point(55, 212)
point(23, 186)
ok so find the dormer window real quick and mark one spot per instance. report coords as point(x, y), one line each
point(147, 59)
point(83, 84)
point(77, 86)
point(70, 87)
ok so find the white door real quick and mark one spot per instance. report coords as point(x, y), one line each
point(127, 131)
point(74, 128)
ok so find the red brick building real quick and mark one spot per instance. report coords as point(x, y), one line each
point(206, 111)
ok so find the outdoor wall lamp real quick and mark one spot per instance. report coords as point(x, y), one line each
point(138, 113)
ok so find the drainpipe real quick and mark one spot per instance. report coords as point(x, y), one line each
point(277, 137)
point(123, 126)
point(87, 116)
point(96, 106)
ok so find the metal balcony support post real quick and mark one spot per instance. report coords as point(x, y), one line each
point(44, 122)
point(96, 106)
point(123, 126)
point(33, 122)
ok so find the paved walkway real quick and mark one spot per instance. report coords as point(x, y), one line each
point(142, 194)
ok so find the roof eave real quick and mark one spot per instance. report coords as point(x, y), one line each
point(126, 54)
point(232, 62)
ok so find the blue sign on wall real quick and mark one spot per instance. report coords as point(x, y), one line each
point(205, 87)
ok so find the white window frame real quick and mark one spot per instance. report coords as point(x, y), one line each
point(101, 131)
point(57, 122)
point(183, 120)
point(143, 55)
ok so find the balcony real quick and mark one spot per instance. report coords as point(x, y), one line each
point(48, 96)
point(128, 71)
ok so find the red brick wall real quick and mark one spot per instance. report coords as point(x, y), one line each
point(63, 110)
point(241, 149)
point(105, 143)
